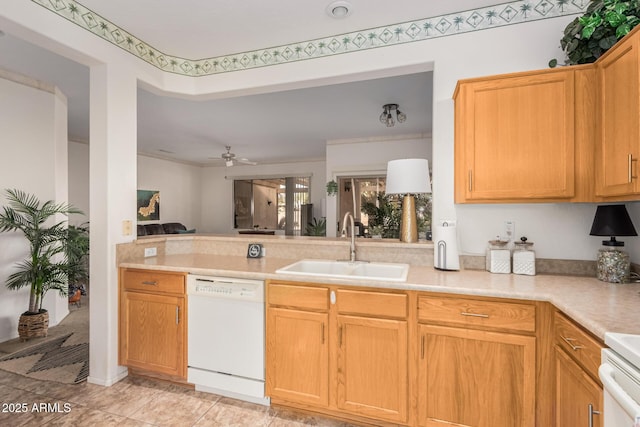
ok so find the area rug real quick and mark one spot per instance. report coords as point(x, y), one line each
point(62, 359)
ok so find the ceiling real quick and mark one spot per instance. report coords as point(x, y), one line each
point(277, 127)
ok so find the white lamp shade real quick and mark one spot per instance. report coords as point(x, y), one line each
point(408, 176)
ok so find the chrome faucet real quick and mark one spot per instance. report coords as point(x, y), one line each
point(352, 248)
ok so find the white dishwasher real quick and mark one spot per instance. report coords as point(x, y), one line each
point(620, 375)
point(226, 337)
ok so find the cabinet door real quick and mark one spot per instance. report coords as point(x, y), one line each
point(153, 333)
point(617, 166)
point(297, 356)
point(372, 367)
point(575, 391)
point(475, 378)
point(515, 137)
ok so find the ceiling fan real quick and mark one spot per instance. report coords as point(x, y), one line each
point(230, 158)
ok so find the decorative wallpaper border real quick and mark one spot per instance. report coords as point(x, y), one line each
point(514, 12)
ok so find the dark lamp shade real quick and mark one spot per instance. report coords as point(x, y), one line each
point(612, 220)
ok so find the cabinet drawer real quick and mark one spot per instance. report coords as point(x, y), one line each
point(578, 344)
point(372, 303)
point(153, 281)
point(303, 297)
point(466, 312)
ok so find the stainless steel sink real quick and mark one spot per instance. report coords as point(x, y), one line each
point(386, 271)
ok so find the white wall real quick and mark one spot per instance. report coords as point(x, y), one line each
point(366, 157)
point(217, 190)
point(30, 119)
point(79, 180)
point(180, 189)
point(179, 185)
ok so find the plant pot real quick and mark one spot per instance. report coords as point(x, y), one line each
point(32, 325)
point(75, 298)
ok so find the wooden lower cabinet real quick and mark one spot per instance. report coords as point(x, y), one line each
point(577, 395)
point(347, 357)
point(372, 367)
point(475, 378)
point(152, 323)
point(298, 356)
point(389, 358)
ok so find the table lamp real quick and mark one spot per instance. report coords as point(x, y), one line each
point(408, 177)
point(613, 263)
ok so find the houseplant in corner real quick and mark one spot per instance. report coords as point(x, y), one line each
point(46, 267)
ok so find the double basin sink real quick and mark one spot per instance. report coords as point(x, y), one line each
point(386, 271)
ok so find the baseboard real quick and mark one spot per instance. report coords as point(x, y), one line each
point(109, 381)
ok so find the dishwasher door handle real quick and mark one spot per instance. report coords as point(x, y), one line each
point(611, 386)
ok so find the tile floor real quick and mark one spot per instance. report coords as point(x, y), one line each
point(133, 401)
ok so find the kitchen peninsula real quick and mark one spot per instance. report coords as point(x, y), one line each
point(596, 305)
point(369, 340)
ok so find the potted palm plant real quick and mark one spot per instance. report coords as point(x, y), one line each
point(76, 248)
point(46, 267)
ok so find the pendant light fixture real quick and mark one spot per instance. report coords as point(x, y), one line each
point(387, 118)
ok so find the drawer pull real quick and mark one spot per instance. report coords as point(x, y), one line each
point(340, 337)
point(470, 180)
point(150, 282)
point(422, 347)
point(322, 332)
point(570, 342)
point(177, 315)
point(466, 313)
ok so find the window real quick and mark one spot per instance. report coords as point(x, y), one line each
point(271, 203)
point(377, 213)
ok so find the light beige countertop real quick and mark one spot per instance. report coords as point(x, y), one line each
point(598, 306)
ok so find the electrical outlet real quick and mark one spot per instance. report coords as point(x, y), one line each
point(127, 227)
point(510, 230)
point(150, 252)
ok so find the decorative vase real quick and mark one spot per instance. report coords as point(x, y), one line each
point(32, 325)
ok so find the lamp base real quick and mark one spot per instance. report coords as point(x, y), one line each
point(409, 224)
point(613, 265)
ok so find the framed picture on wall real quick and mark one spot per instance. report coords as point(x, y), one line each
point(148, 205)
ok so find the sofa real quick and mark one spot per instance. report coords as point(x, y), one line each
point(167, 228)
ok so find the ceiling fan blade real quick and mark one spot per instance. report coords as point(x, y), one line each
point(246, 162)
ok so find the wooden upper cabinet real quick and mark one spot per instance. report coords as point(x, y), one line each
point(517, 135)
point(618, 147)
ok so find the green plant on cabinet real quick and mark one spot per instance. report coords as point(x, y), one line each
point(605, 22)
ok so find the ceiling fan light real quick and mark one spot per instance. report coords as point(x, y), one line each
point(228, 163)
point(389, 122)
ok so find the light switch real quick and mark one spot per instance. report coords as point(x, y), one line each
point(126, 227)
